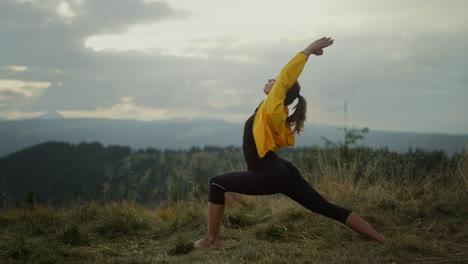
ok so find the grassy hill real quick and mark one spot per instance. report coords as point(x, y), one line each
point(425, 221)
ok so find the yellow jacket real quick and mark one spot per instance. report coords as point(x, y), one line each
point(270, 129)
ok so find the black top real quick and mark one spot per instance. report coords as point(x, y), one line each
point(254, 162)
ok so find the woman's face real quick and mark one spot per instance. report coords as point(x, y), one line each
point(269, 85)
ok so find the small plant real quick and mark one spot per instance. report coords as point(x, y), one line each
point(18, 249)
point(272, 232)
point(120, 220)
point(181, 245)
point(389, 204)
point(31, 198)
point(73, 236)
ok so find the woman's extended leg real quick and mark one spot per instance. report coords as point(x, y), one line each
point(303, 193)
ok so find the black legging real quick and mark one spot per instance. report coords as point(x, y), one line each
point(275, 176)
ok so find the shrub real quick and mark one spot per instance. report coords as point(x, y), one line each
point(74, 236)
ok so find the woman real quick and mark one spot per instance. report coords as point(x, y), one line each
point(267, 130)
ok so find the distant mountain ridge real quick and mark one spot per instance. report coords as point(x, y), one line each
point(183, 134)
point(50, 115)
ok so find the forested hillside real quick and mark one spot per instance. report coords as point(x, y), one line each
point(57, 172)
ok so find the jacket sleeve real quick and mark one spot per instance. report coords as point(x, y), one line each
point(274, 104)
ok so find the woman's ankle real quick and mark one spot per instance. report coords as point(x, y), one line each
point(356, 223)
point(212, 238)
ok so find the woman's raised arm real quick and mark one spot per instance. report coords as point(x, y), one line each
point(289, 74)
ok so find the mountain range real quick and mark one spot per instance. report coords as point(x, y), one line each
point(182, 134)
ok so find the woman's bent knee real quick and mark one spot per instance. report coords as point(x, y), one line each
point(214, 181)
point(216, 193)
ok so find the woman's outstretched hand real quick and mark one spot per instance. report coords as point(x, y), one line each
point(317, 46)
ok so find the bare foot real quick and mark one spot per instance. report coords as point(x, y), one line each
point(206, 243)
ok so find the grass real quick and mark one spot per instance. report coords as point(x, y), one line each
point(424, 221)
point(429, 228)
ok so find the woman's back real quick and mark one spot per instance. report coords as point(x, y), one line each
point(250, 149)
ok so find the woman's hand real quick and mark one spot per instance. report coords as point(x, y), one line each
point(317, 46)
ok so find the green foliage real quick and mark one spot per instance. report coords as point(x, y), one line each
point(351, 136)
point(61, 172)
point(123, 182)
point(31, 198)
point(58, 172)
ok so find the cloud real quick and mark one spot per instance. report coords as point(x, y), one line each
point(202, 59)
point(127, 109)
point(35, 34)
point(15, 115)
point(85, 16)
point(11, 90)
point(64, 10)
point(212, 22)
point(28, 89)
point(124, 110)
point(15, 68)
point(47, 37)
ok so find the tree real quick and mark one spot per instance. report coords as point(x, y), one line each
point(351, 136)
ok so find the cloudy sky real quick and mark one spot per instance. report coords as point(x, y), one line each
point(401, 65)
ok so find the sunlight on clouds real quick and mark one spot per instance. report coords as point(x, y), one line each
point(64, 10)
point(15, 68)
point(28, 89)
point(14, 115)
point(124, 110)
point(166, 41)
point(126, 99)
point(127, 109)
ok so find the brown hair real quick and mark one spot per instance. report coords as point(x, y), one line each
point(298, 118)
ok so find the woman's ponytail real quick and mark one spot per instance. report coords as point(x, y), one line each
point(298, 118)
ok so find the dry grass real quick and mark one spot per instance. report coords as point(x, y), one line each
point(425, 222)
